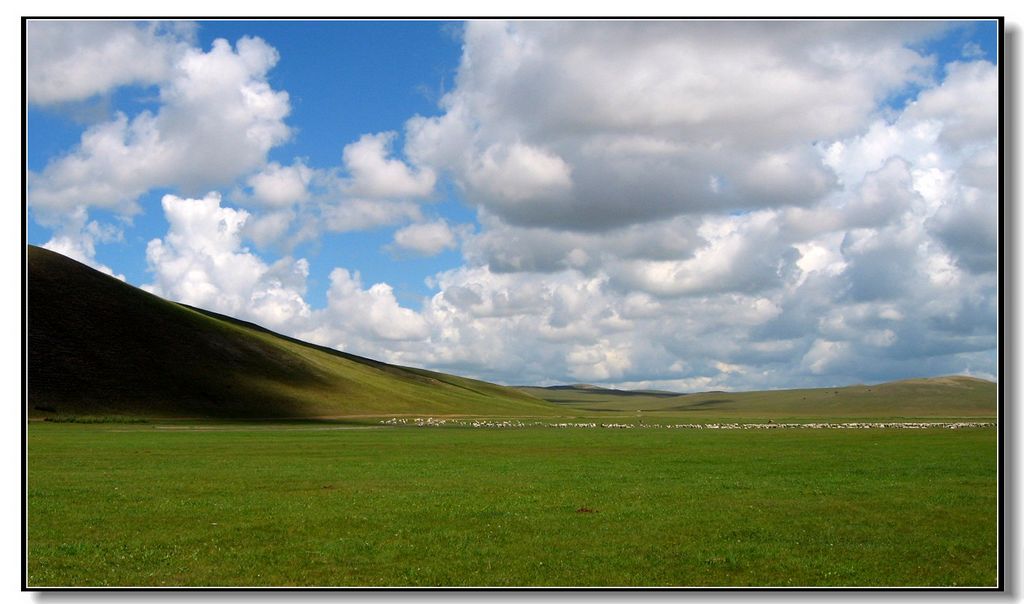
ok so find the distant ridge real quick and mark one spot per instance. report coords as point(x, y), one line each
point(598, 390)
point(98, 346)
point(943, 396)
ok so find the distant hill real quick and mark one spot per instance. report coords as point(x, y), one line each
point(97, 346)
point(588, 392)
point(947, 396)
point(576, 387)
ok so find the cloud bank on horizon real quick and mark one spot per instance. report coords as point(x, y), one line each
point(676, 204)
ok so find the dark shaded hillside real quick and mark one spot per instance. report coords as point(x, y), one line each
point(99, 346)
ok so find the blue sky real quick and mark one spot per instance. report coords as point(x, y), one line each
point(344, 79)
point(542, 202)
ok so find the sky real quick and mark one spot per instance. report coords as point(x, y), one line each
point(685, 205)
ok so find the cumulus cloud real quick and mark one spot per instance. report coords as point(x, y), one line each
point(517, 172)
point(824, 355)
point(363, 214)
point(426, 239)
point(268, 228)
point(369, 190)
point(966, 104)
point(968, 227)
point(74, 60)
point(372, 313)
point(947, 145)
point(601, 362)
point(375, 175)
point(217, 120)
point(592, 126)
point(201, 262)
point(507, 248)
point(78, 236)
point(742, 254)
point(277, 186)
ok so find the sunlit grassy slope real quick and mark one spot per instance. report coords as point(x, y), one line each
point(951, 396)
point(97, 346)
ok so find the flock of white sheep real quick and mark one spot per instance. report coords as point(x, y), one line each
point(480, 423)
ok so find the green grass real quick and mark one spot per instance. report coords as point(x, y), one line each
point(101, 419)
point(318, 504)
point(950, 396)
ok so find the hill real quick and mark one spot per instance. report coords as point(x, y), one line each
point(98, 346)
point(587, 393)
point(947, 396)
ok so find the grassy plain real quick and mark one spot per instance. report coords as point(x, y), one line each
point(330, 504)
point(949, 396)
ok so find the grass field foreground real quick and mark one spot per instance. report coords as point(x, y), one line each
point(330, 504)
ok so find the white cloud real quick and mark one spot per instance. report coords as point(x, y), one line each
point(266, 229)
point(596, 125)
point(201, 262)
point(373, 313)
point(375, 175)
point(78, 236)
point(518, 172)
point(972, 50)
point(426, 239)
point(743, 254)
point(966, 104)
point(277, 186)
point(823, 354)
point(506, 248)
point(363, 214)
point(968, 227)
point(600, 362)
point(217, 120)
point(947, 143)
point(820, 255)
point(74, 60)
